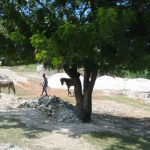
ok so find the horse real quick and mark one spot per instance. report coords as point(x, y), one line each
point(9, 84)
point(69, 82)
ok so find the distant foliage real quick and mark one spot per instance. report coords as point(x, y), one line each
point(17, 37)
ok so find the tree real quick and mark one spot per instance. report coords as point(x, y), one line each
point(99, 36)
point(15, 34)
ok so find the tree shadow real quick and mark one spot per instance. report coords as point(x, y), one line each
point(7, 123)
point(124, 129)
point(126, 125)
point(11, 122)
point(112, 141)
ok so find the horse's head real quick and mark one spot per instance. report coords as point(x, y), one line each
point(62, 81)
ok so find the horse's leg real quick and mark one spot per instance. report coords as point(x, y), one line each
point(13, 89)
point(8, 89)
point(74, 92)
point(69, 90)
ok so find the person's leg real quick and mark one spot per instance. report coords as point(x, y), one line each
point(46, 92)
point(42, 91)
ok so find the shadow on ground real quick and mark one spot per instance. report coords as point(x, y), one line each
point(100, 122)
point(126, 132)
point(14, 123)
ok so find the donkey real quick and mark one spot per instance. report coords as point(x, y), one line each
point(9, 84)
point(69, 82)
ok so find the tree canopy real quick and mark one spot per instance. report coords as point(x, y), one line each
point(116, 32)
point(109, 35)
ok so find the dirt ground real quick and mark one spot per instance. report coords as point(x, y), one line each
point(107, 116)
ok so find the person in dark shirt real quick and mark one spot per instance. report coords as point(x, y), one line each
point(44, 84)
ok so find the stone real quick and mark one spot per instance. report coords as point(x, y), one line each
point(53, 108)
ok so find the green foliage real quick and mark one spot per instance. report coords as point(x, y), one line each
point(46, 50)
point(75, 43)
point(3, 30)
point(146, 19)
point(56, 61)
point(128, 18)
point(82, 33)
point(15, 44)
point(134, 74)
point(17, 37)
point(66, 31)
point(113, 23)
point(41, 56)
point(39, 41)
point(107, 19)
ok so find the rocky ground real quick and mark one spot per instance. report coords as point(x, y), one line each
point(56, 114)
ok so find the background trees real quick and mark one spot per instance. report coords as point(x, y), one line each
point(16, 32)
point(101, 36)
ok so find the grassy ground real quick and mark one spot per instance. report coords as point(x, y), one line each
point(22, 68)
point(112, 141)
point(17, 133)
point(13, 131)
point(131, 102)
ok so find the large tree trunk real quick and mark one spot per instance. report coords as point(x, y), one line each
point(83, 97)
point(88, 85)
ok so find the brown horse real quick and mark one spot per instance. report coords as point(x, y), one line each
point(9, 84)
point(68, 82)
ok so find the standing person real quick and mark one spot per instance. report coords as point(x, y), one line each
point(44, 85)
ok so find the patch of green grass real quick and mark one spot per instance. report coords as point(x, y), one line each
point(112, 141)
point(22, 68)
point(15, 132)
point(25, 93)
point(128, 101)
point(25, 68)
point(5, 90)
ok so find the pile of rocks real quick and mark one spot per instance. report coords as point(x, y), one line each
point(54, 108)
